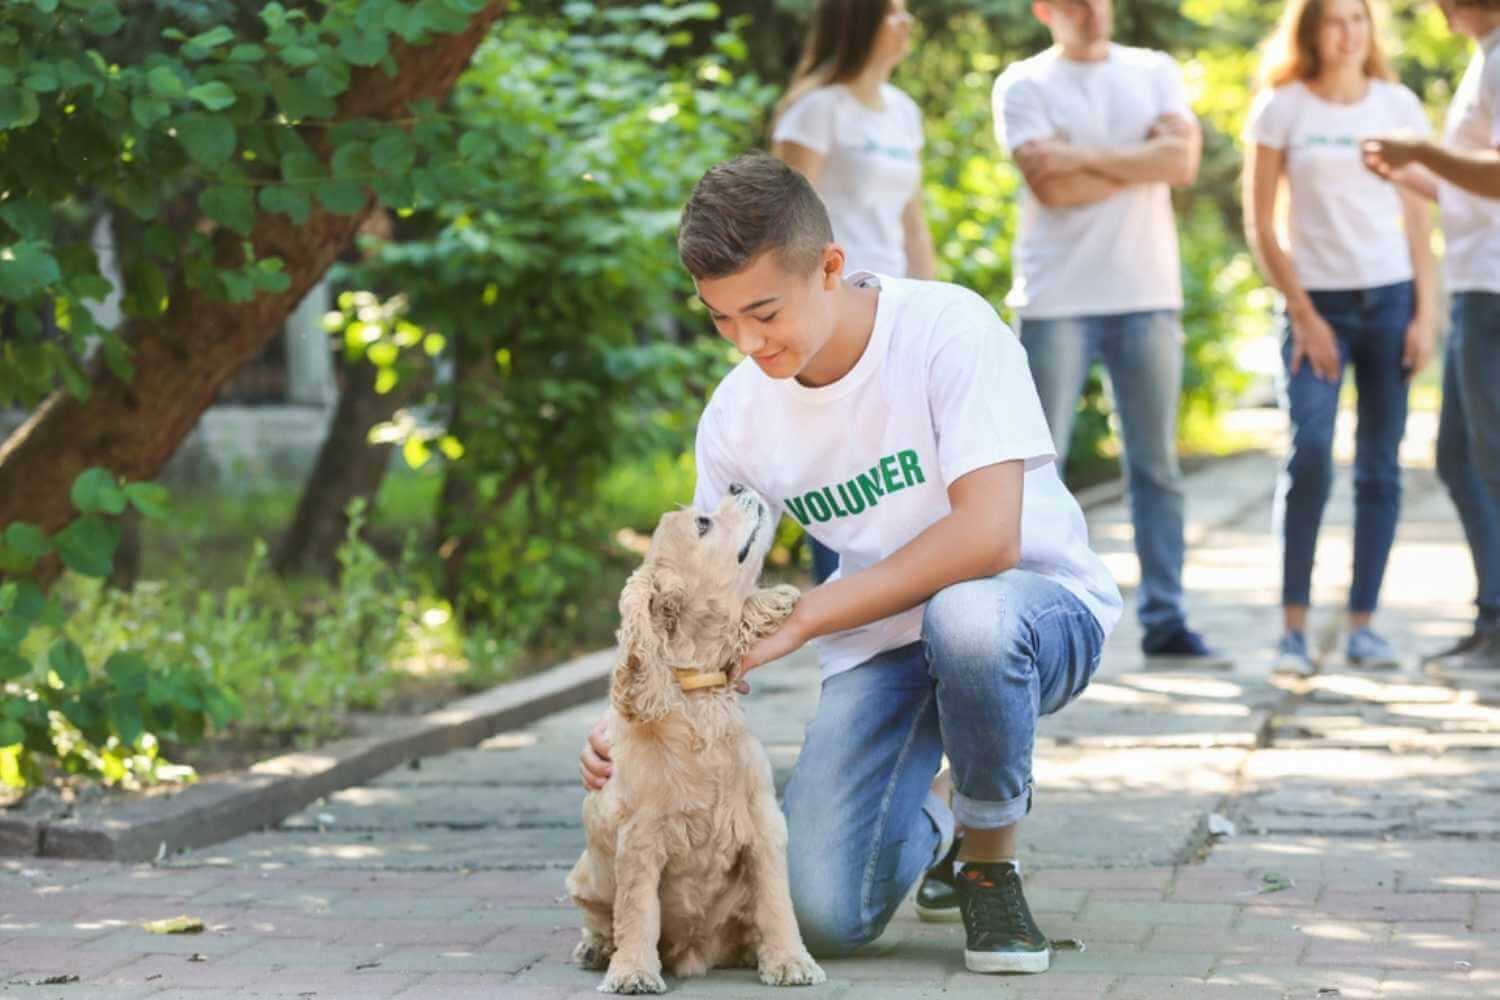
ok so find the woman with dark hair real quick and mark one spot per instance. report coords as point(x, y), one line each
point(1359, 281)
point(858, 139)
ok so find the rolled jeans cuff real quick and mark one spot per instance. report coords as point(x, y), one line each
point(979, 815)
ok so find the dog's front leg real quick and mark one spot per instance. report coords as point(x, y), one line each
point(783, 958)
point(640, 858)
point(764, 611)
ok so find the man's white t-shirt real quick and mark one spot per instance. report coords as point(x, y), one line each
point(1117, 255)
point(1346, 228)
point(871, 168)
point(1471, 224)
point(864, 464)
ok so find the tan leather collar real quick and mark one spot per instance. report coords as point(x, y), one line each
point(692, 680)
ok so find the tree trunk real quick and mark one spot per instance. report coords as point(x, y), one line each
point(181, 359)
point(348, 466)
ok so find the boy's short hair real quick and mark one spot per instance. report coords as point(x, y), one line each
point(746, 206)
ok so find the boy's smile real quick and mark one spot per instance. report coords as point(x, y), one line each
point(811, 327)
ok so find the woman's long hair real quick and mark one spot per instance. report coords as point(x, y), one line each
point(838, 46)
point(1291, 53)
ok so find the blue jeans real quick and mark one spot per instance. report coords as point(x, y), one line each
point(995, 655)
point(1370, 327)
point(824, 560)
point(1468, 441)
point(1142, 353)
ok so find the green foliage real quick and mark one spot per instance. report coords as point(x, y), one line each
point(551, 281)
point(91, 711)
point(156, 131)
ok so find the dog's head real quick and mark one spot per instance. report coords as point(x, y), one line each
point(681, 608)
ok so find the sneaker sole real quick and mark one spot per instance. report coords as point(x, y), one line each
point(946, 915)
point(1160, 661)
point(1294, 667)
point(1373, 664)
point(1007, 961)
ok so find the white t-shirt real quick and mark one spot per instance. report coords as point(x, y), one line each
point(1471, 224)
point(1116, 255)
point(871, 168)
point(864, 464)
point(1346, 227)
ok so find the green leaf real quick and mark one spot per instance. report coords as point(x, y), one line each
point(151, 499)
point(28, 602)
point(233, 205)
point(43, 81)
point(215, 95)
point(32, 220)
point(13, 665)
point(147, 111)
point(208, 139)
point(288, 200)
point(301, 167)
point(165, 83)
point(394, 153)
point(352, 161)
point(87, 545)
point(363, 48)
point(95, 491)
point(26, 540)
point(145, 287)
point(246, 53)
point(67, 661)
point(125, 719)
point(341, 197)
point(127, 671)
point(11, 733)
point(18, 108)
point(27, 268)
point(202, 46)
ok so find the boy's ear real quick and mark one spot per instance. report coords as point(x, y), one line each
point(833, 265)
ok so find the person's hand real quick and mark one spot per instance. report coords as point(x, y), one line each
point(1170, 123)
point(1418, 348)
point(1384, 155)
point(1040, 159)
point(1313, 341)
point(789, 637)
point(594, 765)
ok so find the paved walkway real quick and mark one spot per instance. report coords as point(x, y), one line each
point(1365, 862)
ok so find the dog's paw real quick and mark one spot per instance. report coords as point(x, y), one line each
point(592, 953)
point(632, 981)
point(797, 970)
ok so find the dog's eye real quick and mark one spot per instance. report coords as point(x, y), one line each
point(703, 525)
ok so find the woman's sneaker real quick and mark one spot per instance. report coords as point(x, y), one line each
point(1000, 935)
point(1369, 651)
point(937, 896)
point(1292, 656)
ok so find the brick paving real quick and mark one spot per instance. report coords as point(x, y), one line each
point(1365, 863)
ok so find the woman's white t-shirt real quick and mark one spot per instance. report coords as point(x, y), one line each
point(864, 464)
point(1471, 224)
point(871, 168)
point(1346, 225)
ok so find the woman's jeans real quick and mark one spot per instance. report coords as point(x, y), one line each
point(995, 655)
point(1370, 330)
point(1468, 441)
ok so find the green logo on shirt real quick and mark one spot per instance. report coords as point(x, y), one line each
point(891, 473)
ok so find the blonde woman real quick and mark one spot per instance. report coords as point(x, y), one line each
point(1359, 282)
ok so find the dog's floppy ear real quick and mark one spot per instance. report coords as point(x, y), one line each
point(643, 689)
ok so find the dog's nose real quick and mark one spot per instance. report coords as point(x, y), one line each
point(735, 489)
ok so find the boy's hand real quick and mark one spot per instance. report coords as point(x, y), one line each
point(593, 763)
point(787, 639)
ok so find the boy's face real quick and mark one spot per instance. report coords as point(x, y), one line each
point(777, 318)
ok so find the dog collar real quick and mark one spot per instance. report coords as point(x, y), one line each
point(692, 680)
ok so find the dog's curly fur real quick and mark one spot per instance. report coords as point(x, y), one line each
point(685, 867)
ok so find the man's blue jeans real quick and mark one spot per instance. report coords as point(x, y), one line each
point(1370, 327)
point(995, 655)
point(1142, 354)
point(1468, 442)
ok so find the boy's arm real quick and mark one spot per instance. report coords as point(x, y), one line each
point(979, 538)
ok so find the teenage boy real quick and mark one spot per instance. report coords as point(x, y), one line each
point(896, 420)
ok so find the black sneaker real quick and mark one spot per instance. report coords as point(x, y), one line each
point(1001, 936)
point(1480, 648)
point(937, 896)
point(1179, 647)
